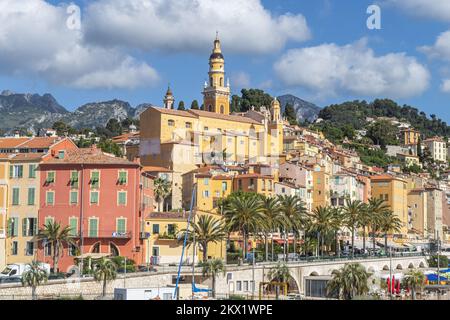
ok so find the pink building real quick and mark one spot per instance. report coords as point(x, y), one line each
point(98, 196)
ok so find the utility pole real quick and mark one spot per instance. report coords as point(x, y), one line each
point(390, 273)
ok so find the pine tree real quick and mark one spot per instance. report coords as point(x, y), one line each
point(181, 105)
point(194, 105)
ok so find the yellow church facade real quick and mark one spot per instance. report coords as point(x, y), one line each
point(185, 140)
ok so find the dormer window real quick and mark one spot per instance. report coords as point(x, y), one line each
point(61, 154)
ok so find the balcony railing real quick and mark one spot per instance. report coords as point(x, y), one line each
point(109, 234)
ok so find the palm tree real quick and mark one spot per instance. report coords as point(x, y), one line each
point(273, 220)
point(294, 213)
point(244, 213)
point(352, 212)
point(389, 222)
point(213, 268)
point(414, 280)
point(280, 273)
point(363, 221)
point(206, 230)
point(322, 223)
point(56, 236)
point(162, 189)
point(337, 220)
point(104, 270)
point(376, 207)
point(34, 276)
point(349, 282)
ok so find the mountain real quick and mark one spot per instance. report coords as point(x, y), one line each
point(33, 111)
point(305, 110)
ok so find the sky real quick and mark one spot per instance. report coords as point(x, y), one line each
point(321, 51)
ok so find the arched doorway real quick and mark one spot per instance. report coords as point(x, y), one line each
point(222, 109)
point(95, 248)
point(421, 265)
point(113, 250)
point(411, 266)
point(385, 268)
point(399, 267)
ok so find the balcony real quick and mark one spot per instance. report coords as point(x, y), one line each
point(106, 234)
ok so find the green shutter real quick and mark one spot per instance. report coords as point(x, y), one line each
point(10, 227)
point(74, 179)
point(15, 195)
point(11, 171)
point(20, 171)
point(121, 225)
point(73, 197)
point(122, 198)
point(95, 179)
point(94, 197)
point(93, 227)
point(50, 177)
point(73, 226)
point(35, 226)
point(50, 198)
point(32, 171)
point(16, 227)
point(24, 227)
point(123, 177)
point(31, 196)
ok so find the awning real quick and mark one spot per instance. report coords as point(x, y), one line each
point(434, 277)
point(93, 255)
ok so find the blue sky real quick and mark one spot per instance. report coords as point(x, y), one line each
point(321, 51)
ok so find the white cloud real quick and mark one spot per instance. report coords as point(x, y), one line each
point(445, 87)
point(440, 49)
point(352, 69)
point(435, 9)
point(190, 25)
point(240, 80)
point(34, 39)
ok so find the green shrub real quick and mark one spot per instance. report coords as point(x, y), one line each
point(443, 261)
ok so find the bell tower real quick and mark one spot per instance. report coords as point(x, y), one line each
point(169, 100)
point(216, 95)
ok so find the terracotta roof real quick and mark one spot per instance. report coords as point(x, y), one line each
point(27, 156)
point(222, 177)
point(174, 112)
point(252, 175)
point(214, 115)
point(203, 175)
point(155, 169)
point(8, 143)
point(89, 156)
point(39, 142)
point(384, 177)
point(125, 137)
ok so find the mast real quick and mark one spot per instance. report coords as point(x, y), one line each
point(176, 293)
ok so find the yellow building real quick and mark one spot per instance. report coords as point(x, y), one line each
point(393, 191)
point(321, 186)
point(4, 177)
point(255, 182)
point(410, 136)
point(163, 247)
point(22, 207)
point(185, 140)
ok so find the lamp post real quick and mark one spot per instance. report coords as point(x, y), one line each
point(390, 273)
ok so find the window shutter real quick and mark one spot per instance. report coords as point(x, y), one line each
point(73, 197)
point(35, 226)
point(32, 171)
point(24, 226)
point(15, 199)
point(73, 225)
point(122, 198)
point(121, 225)
point(11, 171)
point(20, 171)
point(16, 227)
point(10, 227)
point(93, 227)
point(31, 194)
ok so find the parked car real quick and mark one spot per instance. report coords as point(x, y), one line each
point(17, 269)
point(12, 279)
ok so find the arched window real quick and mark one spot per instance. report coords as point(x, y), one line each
point(222, 109)
point(210, 108)
point(221, 82)
point(113, 250)
point(96, 248)
point(211, 82)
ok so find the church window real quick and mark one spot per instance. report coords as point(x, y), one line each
point(188, 125)
point(222, 109)
point(171, 123)
point(221, 82)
